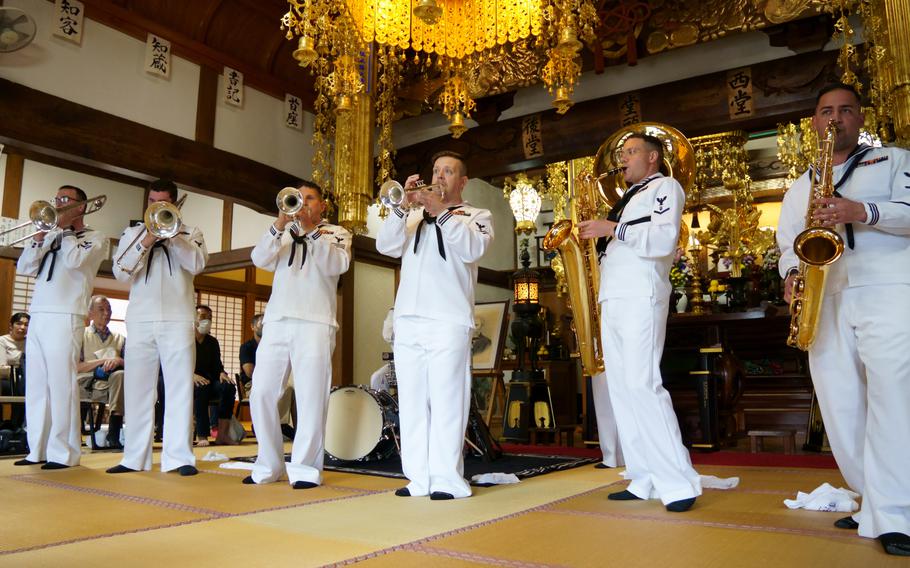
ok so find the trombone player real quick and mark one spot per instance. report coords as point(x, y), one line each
point(637, 242)
point(160, 325)
point(307, 255)
point(64, 262)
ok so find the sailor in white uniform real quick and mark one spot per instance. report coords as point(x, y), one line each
point(607, 435)
point(160, 323)
point(307, 255)
point(860, 360)
point(640, 235)
point(439, 245)
point(64, 262)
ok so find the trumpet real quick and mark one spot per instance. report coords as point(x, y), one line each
point(161, 219)
point(392, 193)
point(289, 201)
point(45, 216)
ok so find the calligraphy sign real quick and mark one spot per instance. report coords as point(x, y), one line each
point(630, 109)
point(531, 138)
point(739, 93)
point(233, 87)
point(158, 56)
point(293, 111)
point(67, 20)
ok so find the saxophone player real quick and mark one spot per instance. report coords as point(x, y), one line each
point(860, 360)
point(637, 242)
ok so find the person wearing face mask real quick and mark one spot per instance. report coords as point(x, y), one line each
point(159, 323)
point(637, 242)
point(211, 382)
point(307, 255)
point(64, 262)
point(440, 245)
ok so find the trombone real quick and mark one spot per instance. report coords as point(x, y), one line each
point(392, 194)
point(161, 219)
point(45, 216)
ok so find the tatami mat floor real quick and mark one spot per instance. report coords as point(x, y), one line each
point(84, 517)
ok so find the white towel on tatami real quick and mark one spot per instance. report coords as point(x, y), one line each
point(825, 498)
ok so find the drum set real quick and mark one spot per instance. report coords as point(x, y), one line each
point(362, 423)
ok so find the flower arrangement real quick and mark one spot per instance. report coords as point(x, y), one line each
point(680, 271)
point(771, 258)
point(715, 287)
point(747, 264)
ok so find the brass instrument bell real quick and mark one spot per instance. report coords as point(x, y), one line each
point(45, 216)
point(289, 200)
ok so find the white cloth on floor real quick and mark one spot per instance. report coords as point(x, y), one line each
point(825, 498)
point(713, 482)
point(495, 478)
point(236, 465)
point(213, 456)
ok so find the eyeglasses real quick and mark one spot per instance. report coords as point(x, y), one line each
point(64, 199)
point(629, 152)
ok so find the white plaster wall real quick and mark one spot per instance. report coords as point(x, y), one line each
point(247, 226)
point(206, 213)
point(374, 294)
point(105, 73)
point(257, 131)
point(124, 202)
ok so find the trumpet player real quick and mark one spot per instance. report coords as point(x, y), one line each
point(64, 262)
point(860, 361)
point(439, 245)
point(307, 255)
point(637, 242)
point(160, 325)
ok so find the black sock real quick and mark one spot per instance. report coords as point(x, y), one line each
point(248, 480)
point(186, 470)
point(624, 495)
point(403, 492)
point(895, 543)
point(54, 465)
point(121, 469)
point(25, 462)
point(441, 496)
point(681, 505)
point(304, 485)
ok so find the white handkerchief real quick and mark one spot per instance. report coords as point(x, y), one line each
point(236, 465)
point(495, 478)
point(825, 498)
point(213, 456)
point(712, 482)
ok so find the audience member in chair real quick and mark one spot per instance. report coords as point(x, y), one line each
point(12, 346)
point(100, 367)
point(248, 365)
point(211, 382)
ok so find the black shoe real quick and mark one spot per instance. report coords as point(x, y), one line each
point(846, 523)
point(895, 543)
point(403, 492)
point(441, 496)
point(304, 485)
point(248, 480)
point(54, 465)
point(24, 461)
point(186, 470)
point(624, 495)
point(602, 465)
point(121, 469)
point(681, 506)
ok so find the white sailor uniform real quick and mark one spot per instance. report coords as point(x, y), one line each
point(159, 325)
point(298, 334)
point(860, 360)
point(434, 318)
point(607, 436)
point(634, 299)
point(64, 266)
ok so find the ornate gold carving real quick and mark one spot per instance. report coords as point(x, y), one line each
point(504, 70)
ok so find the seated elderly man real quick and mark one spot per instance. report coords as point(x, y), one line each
point(100, 368)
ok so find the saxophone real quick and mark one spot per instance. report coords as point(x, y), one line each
point(582, 273)
point(817, 248)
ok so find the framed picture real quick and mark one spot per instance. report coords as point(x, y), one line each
point(489, 335)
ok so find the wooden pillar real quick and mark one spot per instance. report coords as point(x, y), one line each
point(347, 325)
point(227, 227)
point(205, 105)
point(12, 197)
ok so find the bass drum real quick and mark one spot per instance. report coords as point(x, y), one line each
point(361, 424)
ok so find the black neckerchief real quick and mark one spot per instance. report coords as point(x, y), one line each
point(52, 254)
point(297, 240)
point(851, 162)
point(430, 220)
point(148, 263)
point(615, 213)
